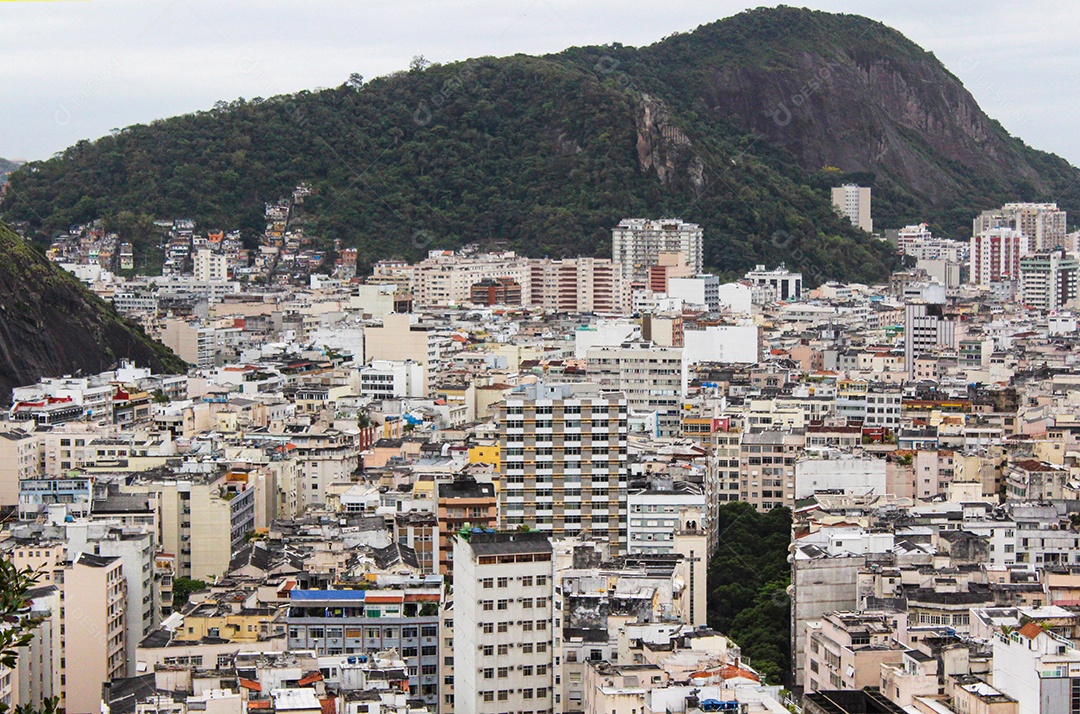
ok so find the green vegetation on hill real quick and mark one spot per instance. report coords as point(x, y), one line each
point(742, 126)
point(748, 579)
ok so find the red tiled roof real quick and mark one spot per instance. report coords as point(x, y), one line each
point(1031, 630)
point(310, 678)
point(250, 684)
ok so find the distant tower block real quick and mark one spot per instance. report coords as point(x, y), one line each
point(854, 202)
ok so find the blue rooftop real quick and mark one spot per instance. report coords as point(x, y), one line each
point(319, 595)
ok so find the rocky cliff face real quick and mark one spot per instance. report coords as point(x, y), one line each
point(847, 93)
point(51, 325)
point(663, 147)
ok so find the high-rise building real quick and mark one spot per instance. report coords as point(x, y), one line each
point(401, 339)
point(995, 255)
point(925, 329)
point(463, 503)
point(653, 380)
point(503, 626)
point(854, 202)
point(1049, 279)
point(579, 285)
point(94, 616)
point(636, 244)
point(210, 266)
point(779, 283)
point(1042, 223)
point(909, 237)
point(563, 464)
point(446, 277)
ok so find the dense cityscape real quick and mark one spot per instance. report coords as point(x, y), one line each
point(486, 482)
point(734, 371)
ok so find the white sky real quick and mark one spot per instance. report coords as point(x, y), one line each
point(71, 70)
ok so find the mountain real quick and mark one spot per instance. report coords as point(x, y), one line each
point(742, 126)
point(50, 324)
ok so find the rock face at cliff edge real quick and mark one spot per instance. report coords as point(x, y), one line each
point(50, 324)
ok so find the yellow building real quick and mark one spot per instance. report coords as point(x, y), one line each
point(485, 454)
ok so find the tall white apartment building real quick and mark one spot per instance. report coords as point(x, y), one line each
point(653, 379)
point(909, 237)
point(579, 285)
point(563, 462)
point(210, 266)
point(636, 244)
point(446, 277)
point(1042, 223)
point(995, 255)
point(503, 623)
point(1049, 280)
point(778, 283)
point(925, 330)
point(854, 202)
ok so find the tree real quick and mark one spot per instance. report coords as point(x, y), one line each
point(748, 579)
point(182, 589)
point(15, 603)
point(419, 63)
point(356, 81)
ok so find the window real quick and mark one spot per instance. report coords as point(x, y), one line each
point(504, 672)
point(527, 581)
point(487, 604)
point(504, 604)
point(527, 602)
point(527, 626)
point(526, 647)
point(489, 673)
point(527, 670)
point(487, 695)
point(504, 650)
point(488, 650)
point(487, 582)
point(504, 582)
point(488, 628)
point(503, 626)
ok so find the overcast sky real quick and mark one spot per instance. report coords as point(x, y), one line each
point(71, 70)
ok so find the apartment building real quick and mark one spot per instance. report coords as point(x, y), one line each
point(995, 255)
point(94, 623)
point(853, 202)
point(210, 266)
point(653, 380)
point(579, 285)
point(776, 284)
point(846, 650)
point(446, 277)
point(203, 519)
point(400, 339)
point(363, 622)
point(636, 244)
point(1049, 280)
point(1044, 224)
point(926, 329)
point(463, 503)
point(767, 467)
point(563, 466)
point(504, 652)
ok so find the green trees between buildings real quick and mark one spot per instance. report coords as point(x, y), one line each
point(182, 589)
point(748, 579)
